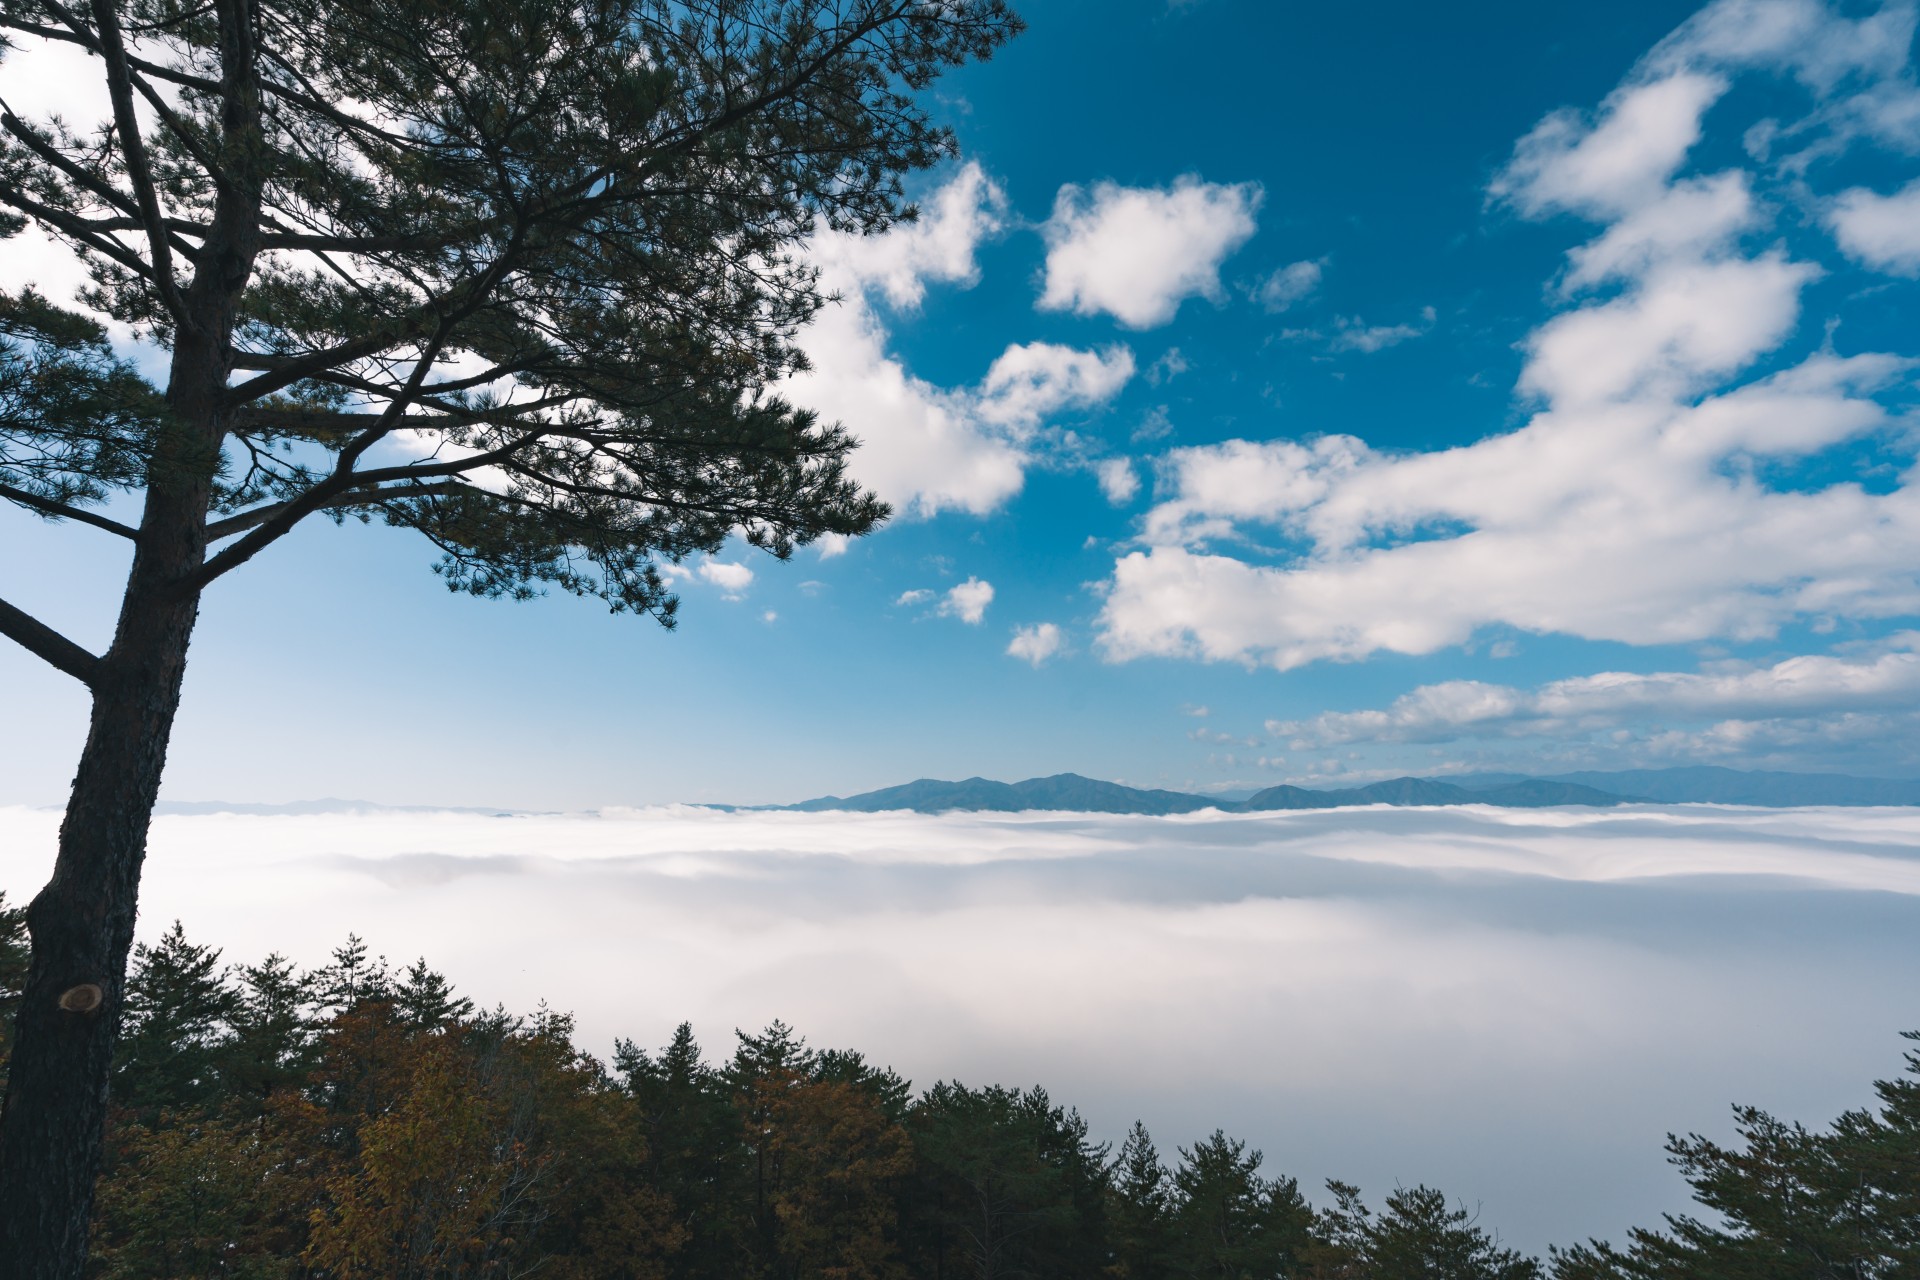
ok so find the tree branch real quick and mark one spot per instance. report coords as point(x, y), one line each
point(43, 641)
point(288, 514)
point(60, 510)
point(260, 515)
point(134, 148)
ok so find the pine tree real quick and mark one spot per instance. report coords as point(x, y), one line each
point(1416, 1237)
point(1142, 1213)
point(352, 979)
point(1786, 1201)
point(598, 204)
point(1006, 1184)
point(273, 1034)
point(1229, 1220)
point(425, 999)
point(696, 1151)
point(179, 1011)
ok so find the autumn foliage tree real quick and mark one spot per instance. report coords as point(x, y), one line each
point(518, 275)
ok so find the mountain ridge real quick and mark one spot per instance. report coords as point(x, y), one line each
point(1693, 784)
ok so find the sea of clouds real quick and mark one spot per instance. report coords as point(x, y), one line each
point(1516, 1005)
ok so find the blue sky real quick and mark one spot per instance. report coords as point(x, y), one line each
point(1408, 388)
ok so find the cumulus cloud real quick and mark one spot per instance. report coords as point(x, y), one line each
point(731, 577)
point(1692, 219)
point(940, 245)
point(1295, 282)
point(968, 601)
point(1031, 382)
point(919, 595)
point(929, 448)
point(1616, 164)
point(1118, 480)
point(1135, 253)
point(1037, 643)
point(1880, 231)
point(1644, 500)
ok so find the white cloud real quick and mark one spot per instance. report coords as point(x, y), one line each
point(968, 601)
point(927, 448)
point(1295, 282)
point(1881, 231)
point(1633, 522)
point(1690, 219)
point(1156, 425)
point(1856, 68)
point(1036, 644)
point(919, 595)
point(1617, 164)
point(1688, 324)
point(1638, 503)
point(1030, 383)
point(1350, 333)
point(940, 245)
point(1118, 480)
point(920, 448)
point(1169, 366)
point(1818, 45)
point(1136, 253)
point(732, 578)
point(1808, 686)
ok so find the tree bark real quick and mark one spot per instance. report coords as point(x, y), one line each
point(52, 1127)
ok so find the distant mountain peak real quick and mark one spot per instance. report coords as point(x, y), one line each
point(1691, 784)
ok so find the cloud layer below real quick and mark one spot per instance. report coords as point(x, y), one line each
point(1514, 1005)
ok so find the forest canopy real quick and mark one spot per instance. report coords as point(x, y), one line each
point(362, 1120)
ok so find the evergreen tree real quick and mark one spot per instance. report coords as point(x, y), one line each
point(696, 1152)
point(425, 999)
point(273, 1035)
point(1416, 1237)
point(598, 203)
point(1787, 1201)
point(352, 979)
point(179, 1008)
point(1142, 1209)
point(1006, 1184)
point(1231, 1222)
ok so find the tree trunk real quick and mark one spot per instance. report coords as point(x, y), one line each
point(52, 1125)
point(52, 1128)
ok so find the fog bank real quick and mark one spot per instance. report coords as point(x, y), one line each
point(1515, 1005)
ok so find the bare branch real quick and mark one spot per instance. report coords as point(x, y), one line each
point(60, 510)
point(43, 641)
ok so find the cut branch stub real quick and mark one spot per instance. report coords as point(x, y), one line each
point(85, 998)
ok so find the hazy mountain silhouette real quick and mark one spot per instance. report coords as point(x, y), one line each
point(1712, 784)
point(1698, 784)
